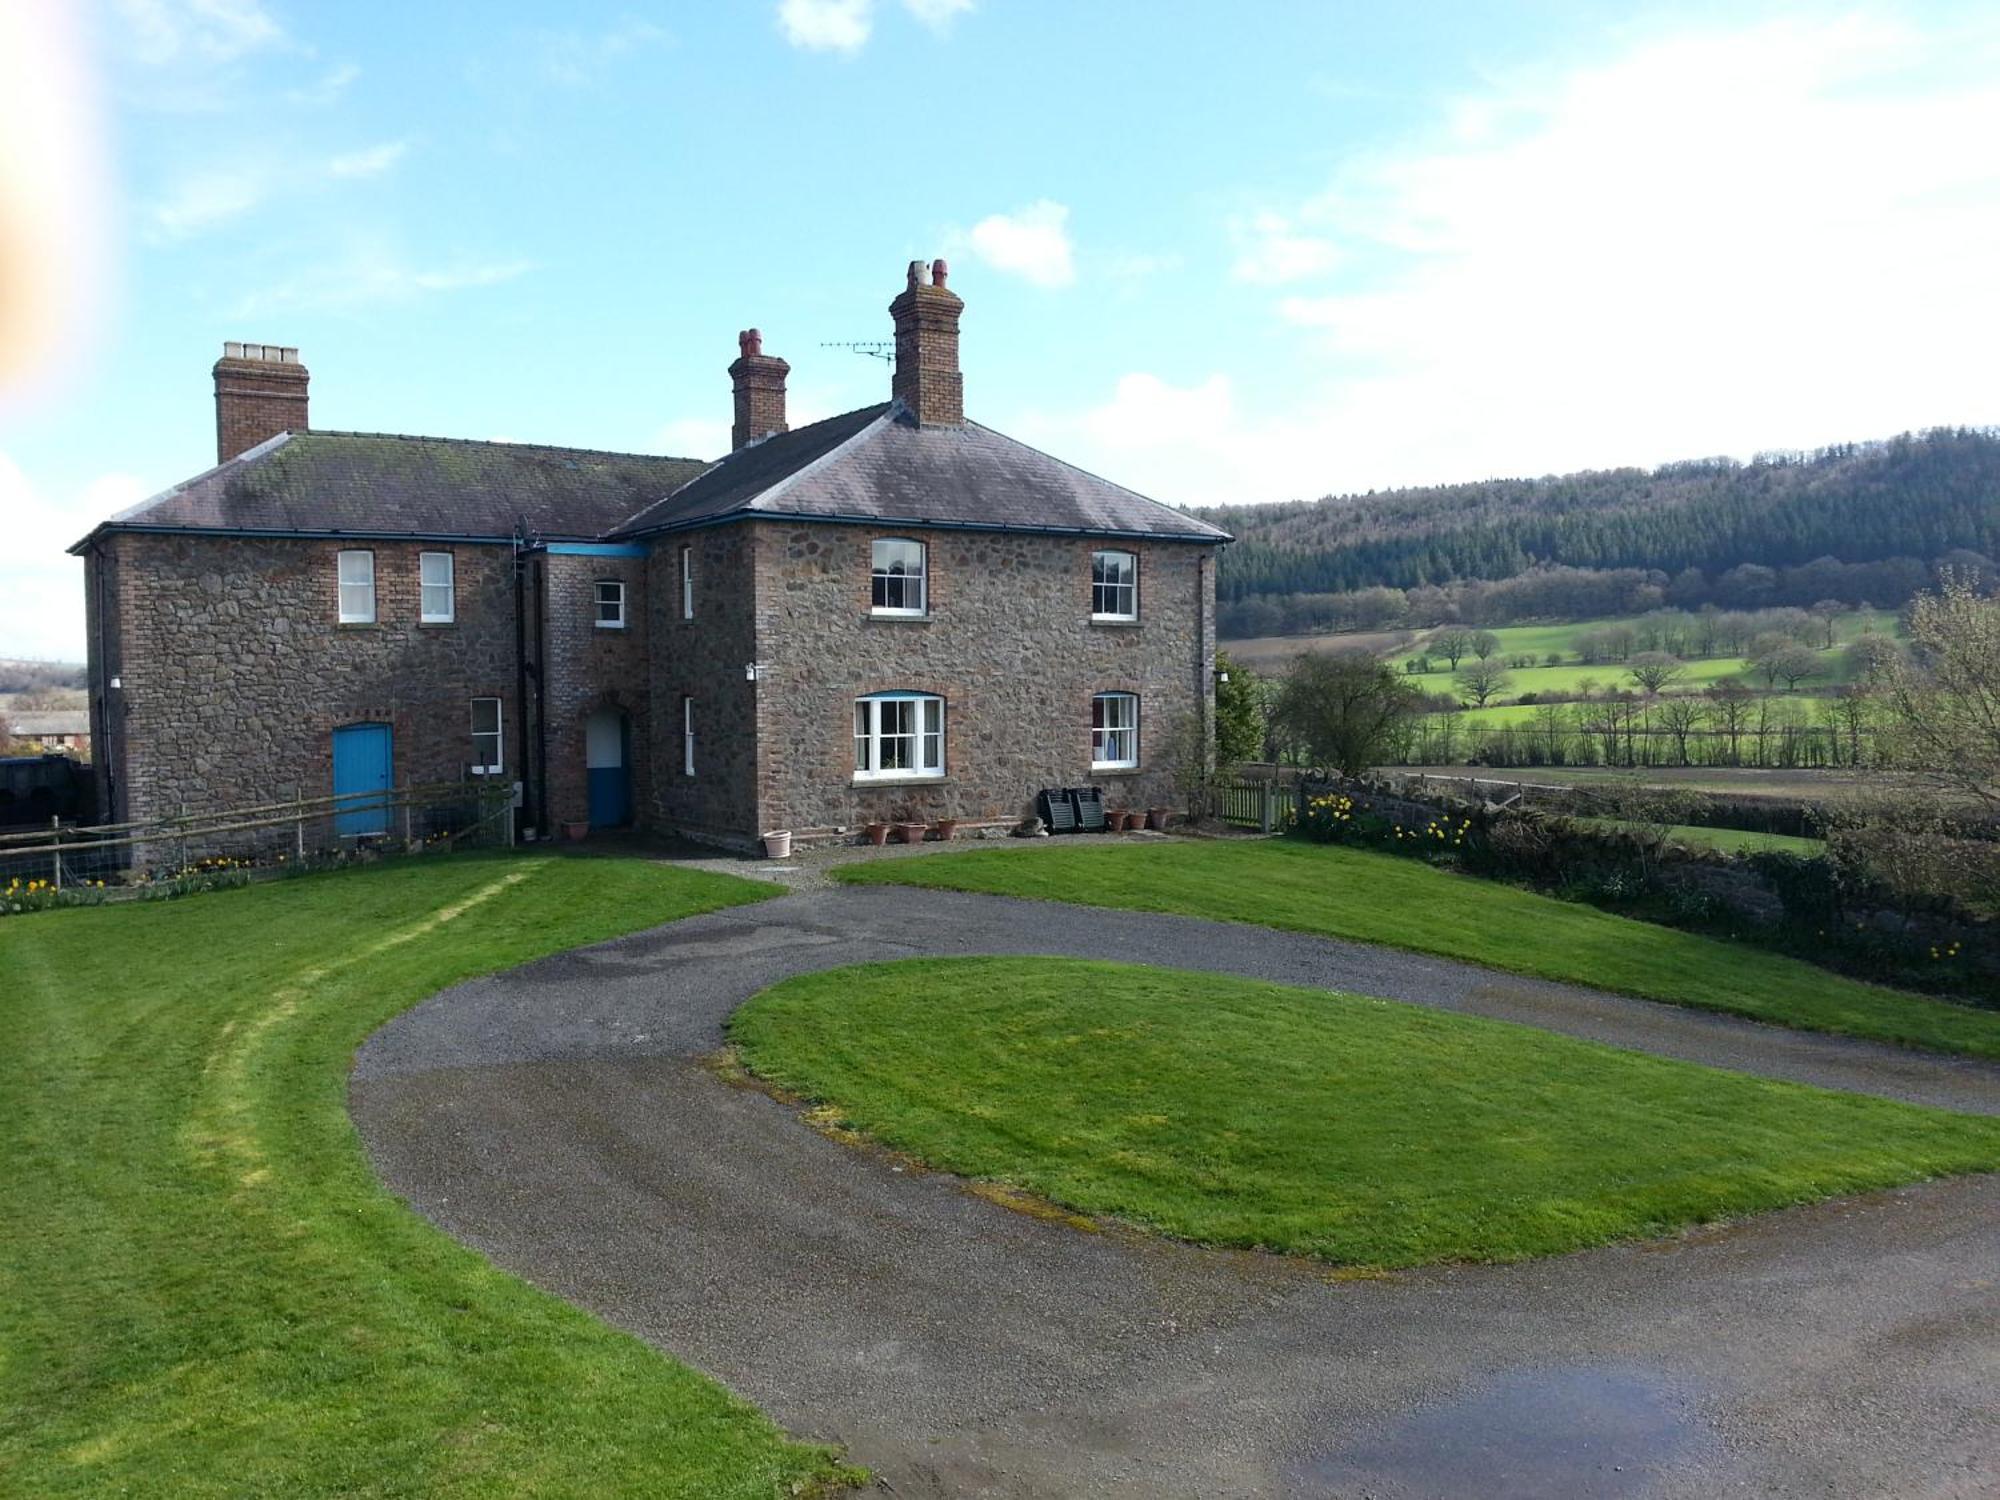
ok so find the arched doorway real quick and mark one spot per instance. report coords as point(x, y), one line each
point(607, 743)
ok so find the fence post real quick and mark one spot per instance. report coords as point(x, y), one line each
point(1268, 812)
point(406, 820)
point(55, 838)
point(299, 832)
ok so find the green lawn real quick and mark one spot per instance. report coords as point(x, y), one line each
point(203, 1289)
point(1728, 840)
point(1383, 898)
point(1364, 1131)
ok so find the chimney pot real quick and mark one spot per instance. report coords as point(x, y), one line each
point(759, 379)
point(927, 379)
point(260, 391)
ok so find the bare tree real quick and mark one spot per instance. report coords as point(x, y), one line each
point(1484, 644)
point(1944, 706)
point(1784, 658)
point(1655, 670)
point(1482, 679)
point(1681, 716)
point(1731, 701)
point(1452, 644)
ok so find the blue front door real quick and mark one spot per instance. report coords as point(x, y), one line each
point(362, 763)
point(604, 737)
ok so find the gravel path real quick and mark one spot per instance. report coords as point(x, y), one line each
point(558, 1118)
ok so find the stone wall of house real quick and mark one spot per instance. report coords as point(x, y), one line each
point(1008, 642)
point(235, 671)
point(703, 659)
point(590, 668)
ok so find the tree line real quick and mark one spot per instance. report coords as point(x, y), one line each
point(1857, 523)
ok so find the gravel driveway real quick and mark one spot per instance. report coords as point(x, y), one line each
point(558, 1119)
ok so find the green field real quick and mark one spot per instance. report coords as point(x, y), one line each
point(1570, 677)
point(1342, 892)
point(1363, 1131)
point(204, 1290)
point(1728, 840)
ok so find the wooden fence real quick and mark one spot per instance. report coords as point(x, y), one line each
point(296, 832)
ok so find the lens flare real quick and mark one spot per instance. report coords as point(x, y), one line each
point(53, 274)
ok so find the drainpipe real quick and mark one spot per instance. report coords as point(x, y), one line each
point(541, 565)
point(521, 678)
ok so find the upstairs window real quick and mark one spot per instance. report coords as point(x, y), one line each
point(439, 602)
point(610, 604)
point(898, 583)
point(898, 735)
point(1114, 732)
point(1114, 586)
point(687, 583)
point(486, 737)
point(357, 588)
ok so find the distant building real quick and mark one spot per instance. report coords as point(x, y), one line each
point(892, 615)
point(67, 730)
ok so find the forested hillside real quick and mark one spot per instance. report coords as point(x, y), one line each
point(1859, 523)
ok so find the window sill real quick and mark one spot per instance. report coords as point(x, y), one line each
point(901, 616)
point(357, 625)
point(1114, 620)
point(1120, 770)
point(605, 625)
point(436, 624)
point(863, 782)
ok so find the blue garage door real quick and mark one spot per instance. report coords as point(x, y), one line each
point(363, 758)
point(604, 740)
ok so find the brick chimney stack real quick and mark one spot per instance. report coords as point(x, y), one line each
point(260, 391)
point(927, 380)
point(760, 390)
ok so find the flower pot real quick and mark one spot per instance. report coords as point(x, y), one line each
point(946, 828)
point(576, 831)
point(1156, 818)
point(1114, 822)
point(913, 833)
point(778, 845)
point(877, 833)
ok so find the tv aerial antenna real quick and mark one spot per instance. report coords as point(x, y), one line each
point(882, 349)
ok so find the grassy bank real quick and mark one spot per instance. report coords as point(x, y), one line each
point(1379, 898)
point(1364, 1131)
point(203, 1289)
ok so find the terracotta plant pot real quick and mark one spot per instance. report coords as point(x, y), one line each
point(913, 833)
point(778, 845)
point(1114, 822)
point(877, 833)
point(576, 831)
point(1156, 818)
point(946, 828)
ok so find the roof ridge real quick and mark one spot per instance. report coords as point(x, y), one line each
point(423, 437)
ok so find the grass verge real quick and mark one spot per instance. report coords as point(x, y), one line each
point(1367, 1132)
point(203, 1289)
point(1379, 898)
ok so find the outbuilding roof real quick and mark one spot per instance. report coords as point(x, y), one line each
point(878, 465)
point(383, 485)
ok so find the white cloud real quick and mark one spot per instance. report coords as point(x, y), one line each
point(937, 14)
point(42, 586)
point(826, 25)
point(206, 199)
point(369, 163)
point(162, 32)
point(845, 25)
point(370, 276)
point(1272, 252)
point(1032, 243)
point(328, 88)
point(576, 58)
point(1716, 242)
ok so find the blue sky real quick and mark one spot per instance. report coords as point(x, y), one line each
point(1218, 252)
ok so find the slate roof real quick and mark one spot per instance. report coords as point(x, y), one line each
point(382, 485)
point(874, 465)
point(878, 465)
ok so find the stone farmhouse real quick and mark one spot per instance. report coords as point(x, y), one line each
point(896, 614)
